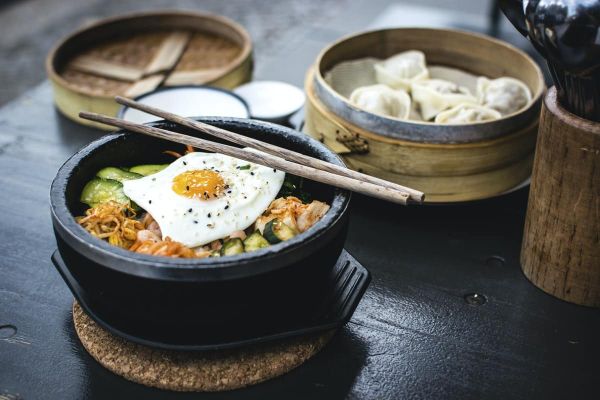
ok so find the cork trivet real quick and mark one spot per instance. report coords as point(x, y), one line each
point(194, 371)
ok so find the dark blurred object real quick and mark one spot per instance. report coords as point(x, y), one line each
point(494, 19)
point(567, 34)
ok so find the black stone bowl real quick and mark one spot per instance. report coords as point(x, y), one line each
point(191, 294)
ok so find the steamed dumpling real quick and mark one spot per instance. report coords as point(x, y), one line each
point(401, 70)
point(414, 114)
point(505, 95)
point(382, 100)
point(436, 95)
point(466, 113)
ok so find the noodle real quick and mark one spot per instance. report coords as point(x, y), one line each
point(112, 221)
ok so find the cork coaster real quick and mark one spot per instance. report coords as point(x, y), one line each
point(190, 371)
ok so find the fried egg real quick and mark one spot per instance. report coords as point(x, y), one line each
point(202, 197)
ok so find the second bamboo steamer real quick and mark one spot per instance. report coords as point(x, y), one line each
point(134, 54)
point(450, 163)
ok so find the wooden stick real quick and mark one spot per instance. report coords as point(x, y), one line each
point(277, 151)
point(168, 54)
point(145, 85)
point(261, 158)
point(142, 80)
point(163, 62)
point(106, 69)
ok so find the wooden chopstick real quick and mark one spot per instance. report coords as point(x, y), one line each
point(286, 154)
point(107, 69)
point(162, 64)
point(169, 53)
point(145, 85)
point(261, 158)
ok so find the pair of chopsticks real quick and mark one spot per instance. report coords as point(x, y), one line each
point(268, 155)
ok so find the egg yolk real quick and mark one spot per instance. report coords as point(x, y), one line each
point(200, 183)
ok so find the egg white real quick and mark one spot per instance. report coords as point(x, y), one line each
point(195, 222)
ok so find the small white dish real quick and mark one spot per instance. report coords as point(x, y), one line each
point(271, 100)
point(189, 101)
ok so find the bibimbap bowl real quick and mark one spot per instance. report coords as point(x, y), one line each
point(232, 291)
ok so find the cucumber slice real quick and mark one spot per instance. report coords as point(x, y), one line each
point(117, 174)
point(232, 247)
point(100, 190)
point(277, 231)
point(148, 169)
point(255, 242)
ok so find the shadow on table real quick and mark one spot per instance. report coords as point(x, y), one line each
point(328, 375)
point(74, 135)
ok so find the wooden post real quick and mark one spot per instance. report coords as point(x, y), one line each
point(561, 243)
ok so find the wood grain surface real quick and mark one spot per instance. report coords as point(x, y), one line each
point(561, 244)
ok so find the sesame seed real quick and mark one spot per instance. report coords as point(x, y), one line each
point(195, 221)
point(190, 210)
point(184, 163)
point(208, 215)
point(227, 206)
point(149, 201)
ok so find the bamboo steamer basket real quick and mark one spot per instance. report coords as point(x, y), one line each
point(449, 163)
point(211, 50)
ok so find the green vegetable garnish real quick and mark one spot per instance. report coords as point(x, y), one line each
point(292, 186)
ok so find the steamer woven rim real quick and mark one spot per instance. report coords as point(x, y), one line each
point(245, 45)
point(427, 132)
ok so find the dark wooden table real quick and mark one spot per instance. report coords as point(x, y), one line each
point(420, 332)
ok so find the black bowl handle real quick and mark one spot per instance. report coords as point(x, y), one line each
point(64, 272)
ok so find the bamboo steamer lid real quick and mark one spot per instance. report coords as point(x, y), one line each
point(134, 54)
point(495, 157)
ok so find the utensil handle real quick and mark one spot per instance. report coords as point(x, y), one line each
point(286, 154)
point(261, 158)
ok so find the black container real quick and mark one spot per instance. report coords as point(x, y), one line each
point(567, 34)
point(211, 293)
